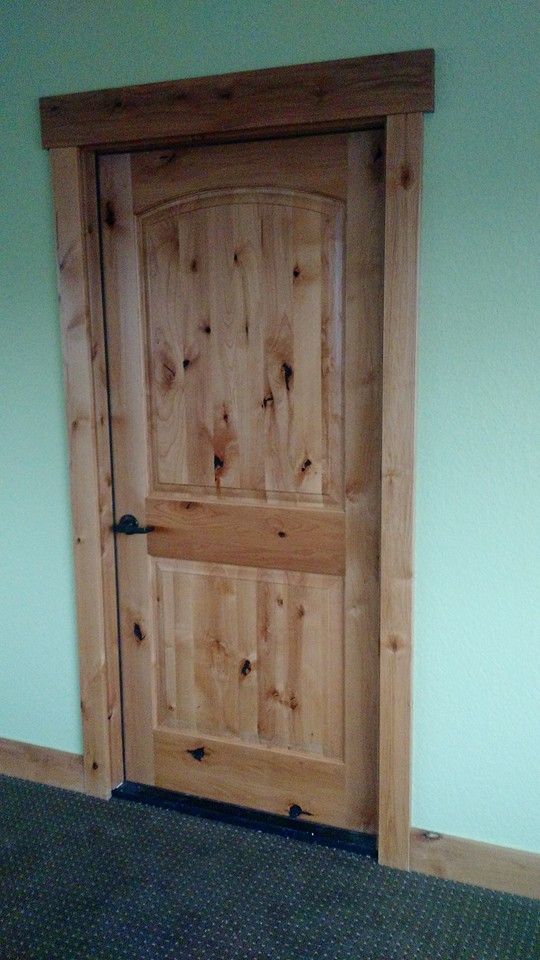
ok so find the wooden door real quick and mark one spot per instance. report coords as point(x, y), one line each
point(243, 296)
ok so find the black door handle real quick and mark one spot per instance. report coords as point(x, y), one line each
point(129, 524)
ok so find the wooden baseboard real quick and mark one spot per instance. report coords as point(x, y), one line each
point(42, 765)
point(453, 858)
point(482, 864)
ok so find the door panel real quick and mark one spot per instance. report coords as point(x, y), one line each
point(254, 655)
point(244, 313)
point(243, 318)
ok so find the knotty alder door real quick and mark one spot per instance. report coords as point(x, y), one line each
point(243, 299)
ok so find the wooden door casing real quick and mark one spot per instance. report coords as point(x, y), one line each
point(250, 437)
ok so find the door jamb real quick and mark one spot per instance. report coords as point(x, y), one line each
point(393, 91)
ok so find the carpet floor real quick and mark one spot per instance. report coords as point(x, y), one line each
point(83, 879)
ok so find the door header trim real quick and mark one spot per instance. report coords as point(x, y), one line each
point(312, 97)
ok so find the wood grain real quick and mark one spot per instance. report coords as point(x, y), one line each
point(252, 654)
point(253, 776)
point(362, 427)
point(86, 484)
point(402, 226)
point(162, 176)
point(104, 466)
point(242, 311)
point(240, 376)
point(482, 864)
point(129, 445)
point(379, 86)
point(42, 765)
point(330, 96)
point(258, 536)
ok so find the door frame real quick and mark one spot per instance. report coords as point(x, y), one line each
point(391, 91)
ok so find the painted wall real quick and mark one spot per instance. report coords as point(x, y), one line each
point(477, 674)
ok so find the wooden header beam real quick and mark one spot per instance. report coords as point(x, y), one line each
point(336, 94)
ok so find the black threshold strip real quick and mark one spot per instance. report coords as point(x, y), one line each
point(337, 837)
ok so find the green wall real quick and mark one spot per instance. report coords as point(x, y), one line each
point(476, 726)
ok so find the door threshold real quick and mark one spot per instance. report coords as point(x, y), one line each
point(320, 833)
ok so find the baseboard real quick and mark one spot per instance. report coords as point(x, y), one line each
point(42, 765)
point(482, 864)
point(453, 858)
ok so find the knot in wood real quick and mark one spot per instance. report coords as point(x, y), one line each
point(110, 216)
point(245, 668)
point(405, 176)
point(287, 374)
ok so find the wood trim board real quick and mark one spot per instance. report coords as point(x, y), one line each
point(482, 864)
point(392, 91)
point(85, 377)
point(402, 231)
point(296, 99)
point(90, 470)
point(56, 768)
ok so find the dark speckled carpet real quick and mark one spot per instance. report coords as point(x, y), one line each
point(81, 878)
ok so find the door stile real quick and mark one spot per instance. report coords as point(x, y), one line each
point(129, 432)
point(363, 388)
point(91, 224)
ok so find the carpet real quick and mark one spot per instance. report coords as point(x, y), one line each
point(83, 879)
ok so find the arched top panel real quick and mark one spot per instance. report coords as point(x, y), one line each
point(242, 308)
point(325, 206)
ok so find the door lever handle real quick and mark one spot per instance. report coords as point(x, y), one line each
point(129, 524)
